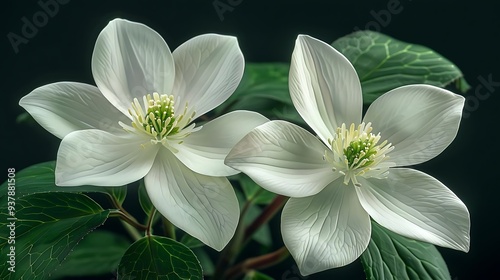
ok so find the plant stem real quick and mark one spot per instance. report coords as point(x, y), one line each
point(133, 232)
point(169, 228)
point(232, 249)
point(265, 216)
point(119, 206)
point(127, 218)
point(149, 226)
point(128, 221)
point(257, 263)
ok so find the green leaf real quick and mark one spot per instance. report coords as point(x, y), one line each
point(39, 178)
point(254, 192)
point(391, 256)
point(261, 80)
point(384, 63)
point(206, 262)
point(24, 117)
point(288, 113)
point(191, 242)
point(118, 193)
point(263, 234)
point(48, 227)
point(144, 201)
point(97, 254)
point(154, 257)
point(255, 275)
point(263, 89)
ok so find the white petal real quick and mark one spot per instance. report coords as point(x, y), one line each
point(419, 120)
point(204, 207)
point(64, 107)
point(204, 151)
point(326, 230)
point(95, 157)
point(129, 61)
point(324, 87)
point(414, 204)
point(208, 68)
point(283, 158)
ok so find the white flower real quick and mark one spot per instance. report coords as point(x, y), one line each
point(357, 167)
point(137, 123)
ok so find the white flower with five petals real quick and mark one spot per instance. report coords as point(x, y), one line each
point(137, 123)
point(356, 169)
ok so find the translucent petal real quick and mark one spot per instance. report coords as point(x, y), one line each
point(64, 107)
point(324, 87)
point(129, 61)
point(416, 205)
point(283, 158)
point(327, 230)
point(204, 207)
point(96, 157)
point(208, 69)
point(419, 120)
point(204, 150)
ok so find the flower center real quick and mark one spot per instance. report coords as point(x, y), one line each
point(356, 152)
point(157, 119)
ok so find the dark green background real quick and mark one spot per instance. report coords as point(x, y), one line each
point(465, 32)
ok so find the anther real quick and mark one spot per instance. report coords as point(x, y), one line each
point(357, 153)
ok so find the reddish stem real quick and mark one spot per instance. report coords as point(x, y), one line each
point(265, 216)
point(259, 262)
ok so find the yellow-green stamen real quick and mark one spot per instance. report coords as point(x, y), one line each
point(159, 120)
point(356, 152)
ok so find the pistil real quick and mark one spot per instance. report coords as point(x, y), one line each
point(157, 118)
point(357, 152)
